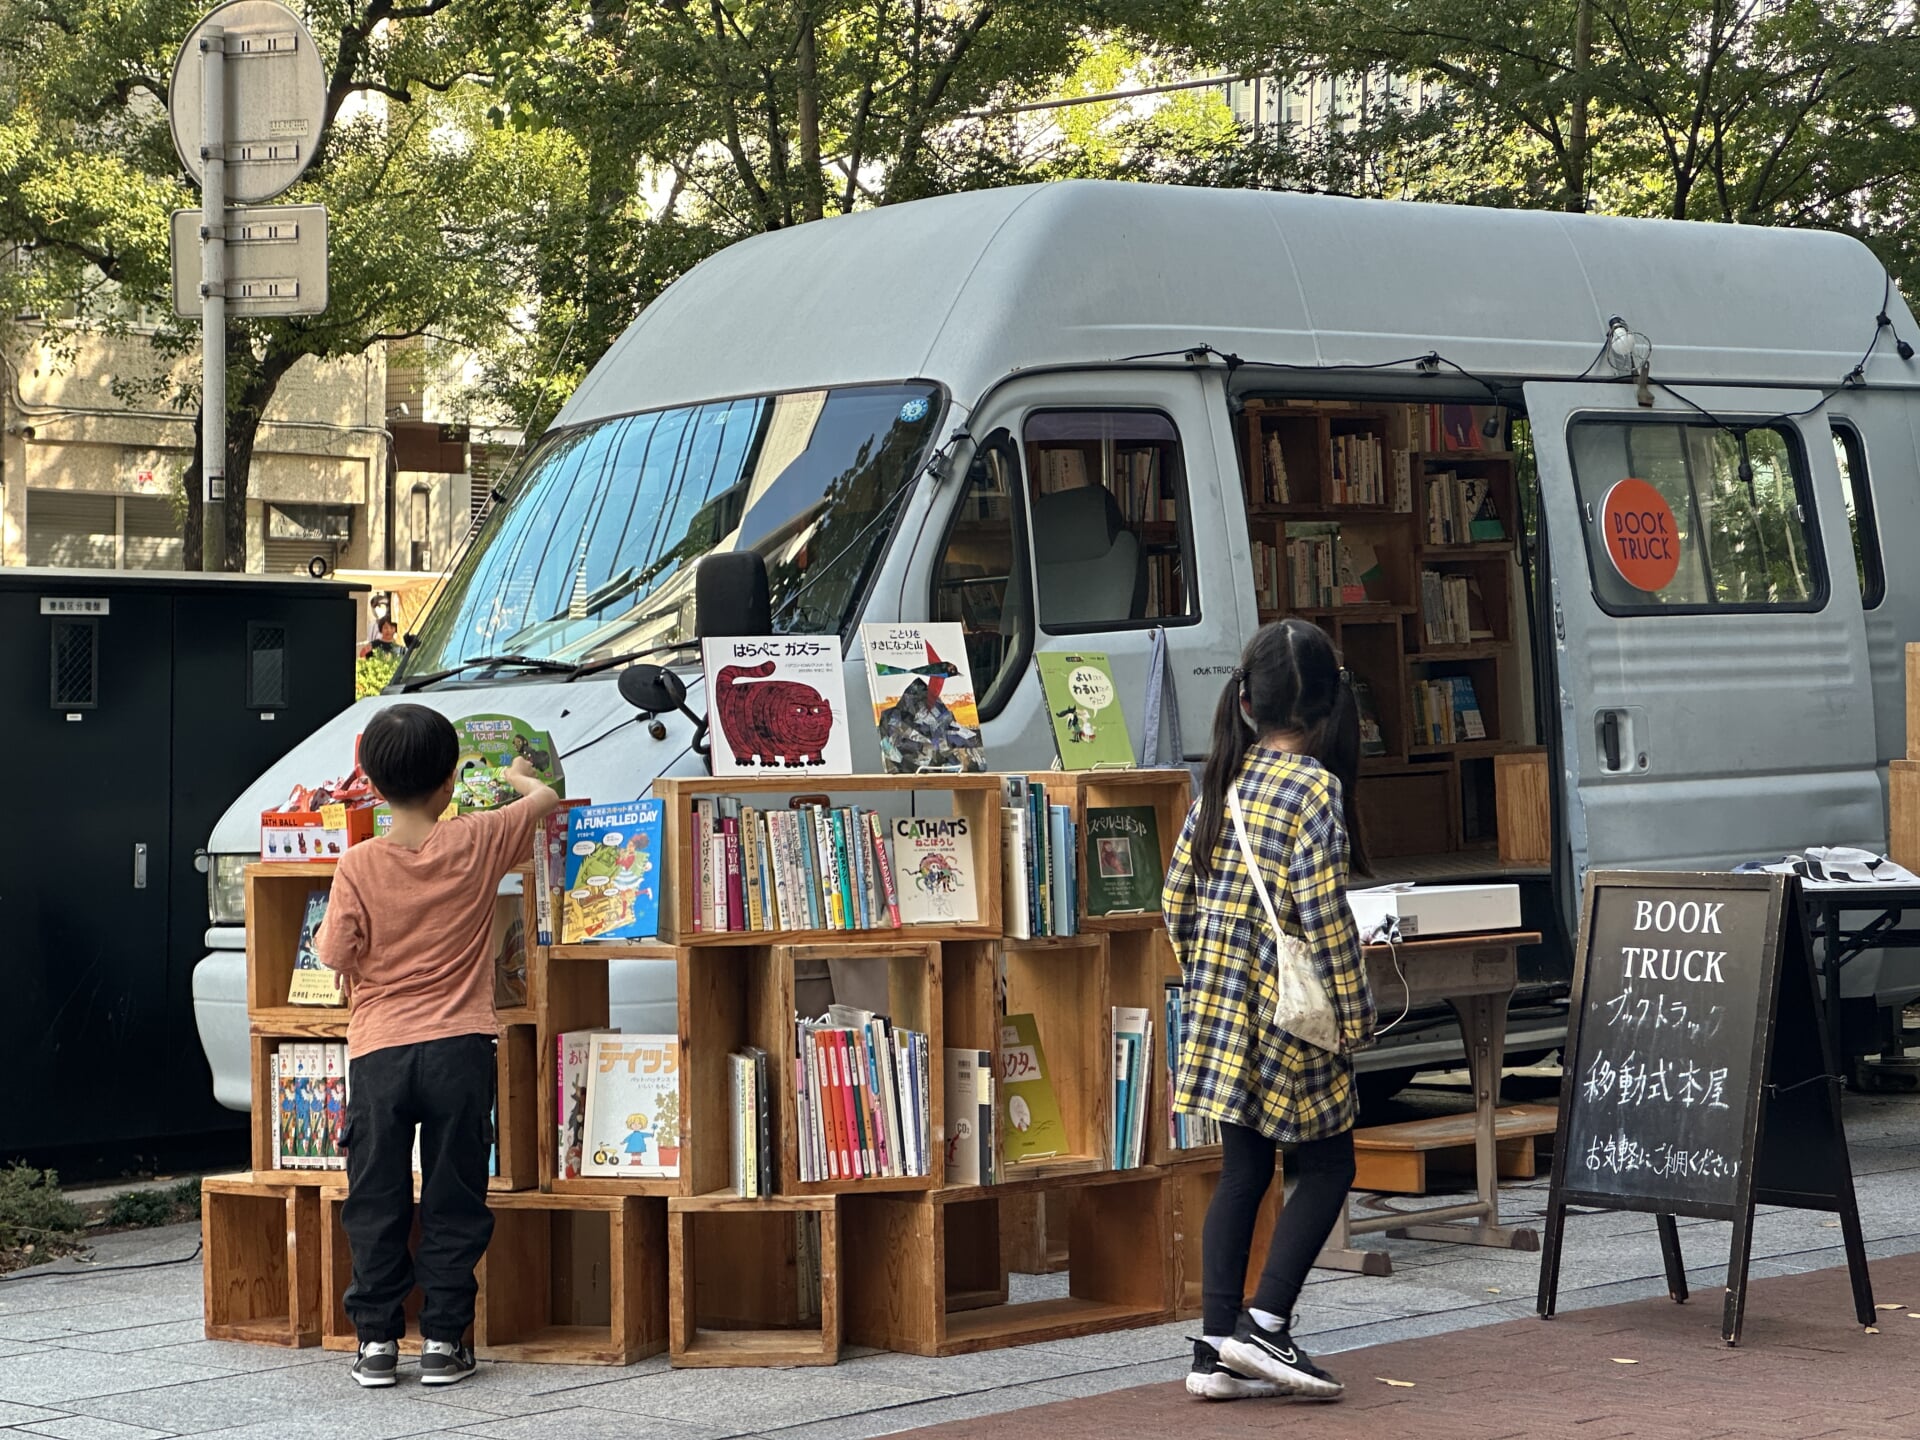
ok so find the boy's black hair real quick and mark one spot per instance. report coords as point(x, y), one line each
point(408, 751)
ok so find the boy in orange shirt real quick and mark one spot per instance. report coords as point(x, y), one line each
point(408, 929)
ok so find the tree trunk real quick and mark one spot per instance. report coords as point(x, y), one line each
point(246, 404)
point(1582, 99)
point(812, 182)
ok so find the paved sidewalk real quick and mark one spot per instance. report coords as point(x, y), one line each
point(120, 1355)
point(1651, 1370)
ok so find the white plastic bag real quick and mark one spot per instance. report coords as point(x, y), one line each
point(1293, 999)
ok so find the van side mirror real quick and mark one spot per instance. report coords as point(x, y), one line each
point(656, 690)
point(730, 595)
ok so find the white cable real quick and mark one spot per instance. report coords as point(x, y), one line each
point(1389, 933)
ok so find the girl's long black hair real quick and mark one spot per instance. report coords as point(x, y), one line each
point(1291, 680)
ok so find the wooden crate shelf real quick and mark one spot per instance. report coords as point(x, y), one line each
point(336, 1274)
point(261, 1266)
point(976, 798)
point(933, 1272)
point(1189, 1192)
point(1168, 791)
point(594, 1270)
point(517, 1158)
point(741, 1295)
point(574, 1279)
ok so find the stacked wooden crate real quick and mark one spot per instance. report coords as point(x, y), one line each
point(593, 1270)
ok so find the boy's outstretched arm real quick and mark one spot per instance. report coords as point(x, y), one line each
point(539, 795)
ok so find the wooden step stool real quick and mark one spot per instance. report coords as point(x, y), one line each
point(1393, 1159)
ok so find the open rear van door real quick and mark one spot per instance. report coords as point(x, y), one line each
point(1714, 701)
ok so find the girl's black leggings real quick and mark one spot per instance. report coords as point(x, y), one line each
point(1324, 1173)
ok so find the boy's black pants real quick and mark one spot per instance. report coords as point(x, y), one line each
point(446, 1088)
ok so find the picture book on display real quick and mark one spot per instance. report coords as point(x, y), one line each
point(613, 872)
point(313, 983)
point(1088, 725)
point(633, 1106)
point(933, 863)
point(923, 698)
point(777, 703)
point(489, 744)
point(1028, 1109)
point(1124, 873)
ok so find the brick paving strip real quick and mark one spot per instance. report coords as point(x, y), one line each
point(1804, 1368)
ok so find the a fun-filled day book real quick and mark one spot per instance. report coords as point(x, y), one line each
point(1124, 874)
point(777, 703)
point(1084, 705)
point(1031, 1127)
point(313, 983)
point(613, 872)
point(933, 866)
point(633, 1106)
point(923, 698)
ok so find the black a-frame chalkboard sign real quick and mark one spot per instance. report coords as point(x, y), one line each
point(1698, 1080)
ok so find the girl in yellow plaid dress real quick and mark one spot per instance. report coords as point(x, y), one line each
point(1286, 741)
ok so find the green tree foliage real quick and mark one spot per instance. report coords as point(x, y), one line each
point(702, 122)
point(1770, 112)
point(428, 203)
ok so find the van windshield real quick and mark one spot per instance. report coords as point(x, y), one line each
point(592, 552)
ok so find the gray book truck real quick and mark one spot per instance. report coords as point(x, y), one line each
point(1039, 412)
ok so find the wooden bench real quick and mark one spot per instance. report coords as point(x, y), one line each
point(1393, 1159)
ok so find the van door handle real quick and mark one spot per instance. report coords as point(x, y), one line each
point(1610, 739)
point(139, 867)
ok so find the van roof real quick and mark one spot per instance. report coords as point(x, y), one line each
point(964, 288)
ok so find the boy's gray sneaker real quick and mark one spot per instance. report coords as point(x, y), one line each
point(444, 1364)
point(377, 1365)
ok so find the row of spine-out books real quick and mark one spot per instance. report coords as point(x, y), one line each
point(750, 1171)
point(865, 1098)
point(814, 867)
point(310, 1081)
point(972, 1127)
point(1132, 1079)
point(1184, 1132)
point(1038, 843)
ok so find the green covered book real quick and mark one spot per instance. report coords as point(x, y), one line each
point(1124, 873)
point(1084, 703)
point(1031, 1127)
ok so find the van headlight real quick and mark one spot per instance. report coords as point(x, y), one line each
point(227, 889)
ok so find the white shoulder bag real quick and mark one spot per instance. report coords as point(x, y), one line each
point(1294, 1001)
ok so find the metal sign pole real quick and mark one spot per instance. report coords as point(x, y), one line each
point(213, 300)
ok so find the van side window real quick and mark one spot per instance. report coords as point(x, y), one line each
point(981, 581)
point(1850, 454)
point(1111, 548)
point(1729, 529)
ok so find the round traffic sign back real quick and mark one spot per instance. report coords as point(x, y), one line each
point(276, 94)
point(1642, 540)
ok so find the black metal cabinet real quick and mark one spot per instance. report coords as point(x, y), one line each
point(134, 709)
